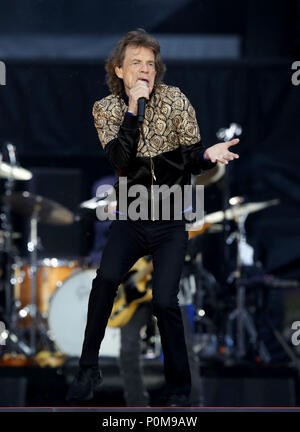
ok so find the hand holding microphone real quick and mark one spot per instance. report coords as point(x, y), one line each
point(138, 96)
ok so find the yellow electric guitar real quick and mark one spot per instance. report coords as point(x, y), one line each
point(131, 293)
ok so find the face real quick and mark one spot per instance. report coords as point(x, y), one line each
point(138, 64)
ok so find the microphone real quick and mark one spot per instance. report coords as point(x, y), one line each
point(141, 109)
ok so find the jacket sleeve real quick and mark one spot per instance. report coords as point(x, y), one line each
point(118, 134)
point(189, 136)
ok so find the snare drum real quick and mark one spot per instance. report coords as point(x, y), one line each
point(68, 314)
point(50, 274)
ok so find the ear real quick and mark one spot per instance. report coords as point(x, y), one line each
point(119, 72)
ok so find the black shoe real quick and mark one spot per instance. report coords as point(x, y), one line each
point(87, 381)
point(178, 400)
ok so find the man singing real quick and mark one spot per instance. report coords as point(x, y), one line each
point(164, 148)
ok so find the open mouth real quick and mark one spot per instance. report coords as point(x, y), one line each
point(143, 79)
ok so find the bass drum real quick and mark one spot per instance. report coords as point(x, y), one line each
point(50, 274)
point(68, 314)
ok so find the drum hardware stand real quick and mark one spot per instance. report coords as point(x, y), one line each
point(32, 248)
point(10, 312)
point(244, 322)
point(226, 134)
point(7, 228)
point(36, 317)
point(31, 309)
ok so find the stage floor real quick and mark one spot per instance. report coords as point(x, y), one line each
point(236, 387)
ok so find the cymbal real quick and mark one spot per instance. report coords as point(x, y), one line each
point(96, 202)
point(17, 173)
point(211, 176)
point(48, 211)
point(88, 209)
point(235, 212)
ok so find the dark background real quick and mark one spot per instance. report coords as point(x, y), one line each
point(232, 59)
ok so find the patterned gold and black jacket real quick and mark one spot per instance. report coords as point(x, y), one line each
point(170, 142)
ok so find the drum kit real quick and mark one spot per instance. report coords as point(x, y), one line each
point(27, 285)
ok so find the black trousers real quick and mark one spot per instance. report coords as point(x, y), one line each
point(128, 241)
